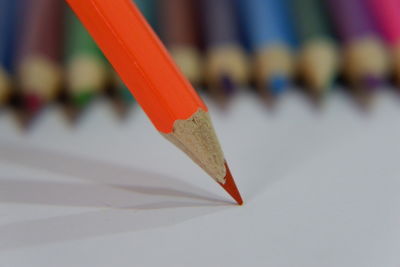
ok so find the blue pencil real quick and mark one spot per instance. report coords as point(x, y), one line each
point(272, 40)
point(7, 44)
point(226, 61)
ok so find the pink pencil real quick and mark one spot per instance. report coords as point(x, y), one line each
point(387, 15)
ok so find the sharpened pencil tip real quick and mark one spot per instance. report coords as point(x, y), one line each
point(227, 85)
point(121, 108)
point(77, 104)
point(31, 107)
point(125, 95)
point(32, 103)
point(231, 187)
point(83, 99)
point(72, 113)
point(278, 85)
point(372, 83)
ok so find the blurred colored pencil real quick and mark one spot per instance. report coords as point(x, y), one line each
point(122, 97)
point(39, 54)
point(226, 65)
point(387, 14)
point(318, 57)
point(365, 63)
point(86, 67)
point(7, 44)
point(179, 30)
point(125, 94)
point(149, 11)
point(270, 36)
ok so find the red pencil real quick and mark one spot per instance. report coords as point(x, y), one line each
point(39, 55)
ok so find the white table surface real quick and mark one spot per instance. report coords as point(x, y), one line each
point(320, 188)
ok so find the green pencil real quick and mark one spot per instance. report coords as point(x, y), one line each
point(318, 56)
point(87, 68)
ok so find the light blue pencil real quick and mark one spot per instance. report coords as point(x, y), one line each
point(269, 32)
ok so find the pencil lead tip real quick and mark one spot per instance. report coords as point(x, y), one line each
point(230, 186)
point(371, 82)
point(227, 84)
point(72, 113)
point(31, 107)
point(77, 104)
point(32, 103)
point(126, 95)
point(278, 84)
point(83, 99)
point(121, 108)
point(318, 97)
point(368, 86)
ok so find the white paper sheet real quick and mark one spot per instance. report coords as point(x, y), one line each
point(321, 188)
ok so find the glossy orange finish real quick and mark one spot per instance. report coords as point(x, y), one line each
point(140, 59)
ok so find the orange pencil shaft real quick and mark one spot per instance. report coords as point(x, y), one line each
point(140, 59)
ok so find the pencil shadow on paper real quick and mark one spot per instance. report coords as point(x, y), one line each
point(125, 199)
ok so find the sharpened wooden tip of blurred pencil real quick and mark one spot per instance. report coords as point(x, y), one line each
point(189, 61)
point(227, 85)
point(396, 62)
point(365, 57)
point(5, 88)
point(121, 97)
point(77, 105)
point(318, 64)
point(226, 62)
point(366, 89)
point(277, 85)
point(121, 107)
point(273, 68)
point(30, 108)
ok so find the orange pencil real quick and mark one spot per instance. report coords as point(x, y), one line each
point(165, 95)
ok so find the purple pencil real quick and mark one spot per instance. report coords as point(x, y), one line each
point(226, 64)
point(365, 59)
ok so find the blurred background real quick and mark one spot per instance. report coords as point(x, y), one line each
point(267, 47)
